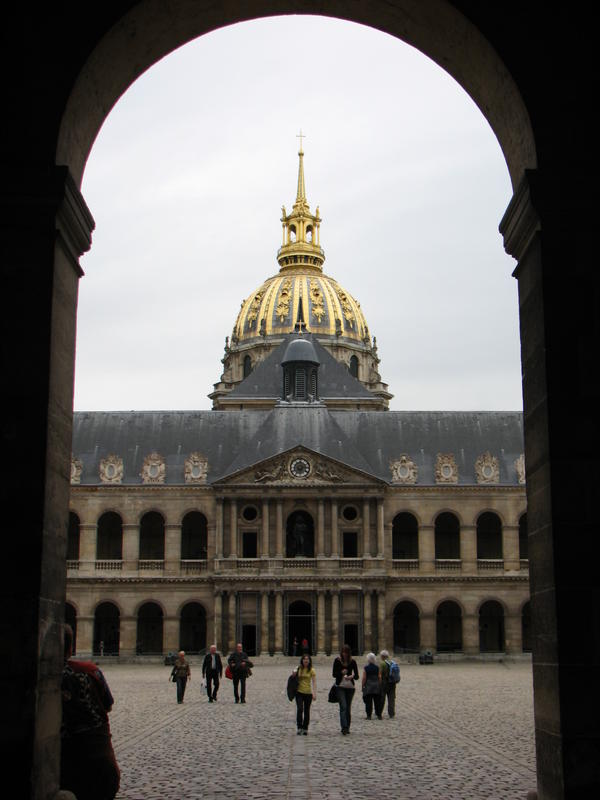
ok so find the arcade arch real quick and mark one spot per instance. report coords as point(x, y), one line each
point(407, 638)
point(107, 629)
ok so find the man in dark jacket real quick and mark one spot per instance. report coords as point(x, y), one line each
point(212, 669)
point(240, 668)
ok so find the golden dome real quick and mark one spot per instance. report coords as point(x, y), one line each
point(305, 295)
point(301, 294)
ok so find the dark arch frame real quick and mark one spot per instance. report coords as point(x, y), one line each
point(149, 629)
point(447, 536)
point(449, 627)
point(538, 230)
point(194, 537)
point(405, 536)
point(152, 536)
point(300, 534)
point(107, 629)
point(109, 536)
point(489, 536)
point(407, 627)
point(192, 627)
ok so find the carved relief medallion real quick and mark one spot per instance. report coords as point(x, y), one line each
point(76, 469)
point(316, 296)
point(153, 469)
point(195, 468)
point(274, 472)
point(327, 472)
point(111, 469)
point(285, 296)
point(300, 468)
point(487, 469)
point(446, 470)
point(346, 307)
point(520, 468)
point(255, 307)
point(404, 470)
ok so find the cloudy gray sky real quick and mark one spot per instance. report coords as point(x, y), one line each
point(186, 182)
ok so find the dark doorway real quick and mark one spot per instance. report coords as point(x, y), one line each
point(491, 627)
point(405, 536)
point(249, 544)
point(71, 619)
point(249, 639)
point(447, 536)
point(300, 535)
point(350, 544)
point(107, 630)
point(351, 637)
point(192, 628)
point(489, 536)
point(449, 627)
point(109, 542)
point(150, 630)
point(299, 624)
point(406, 628)
point(193, 536)
point(526, 628)
point(152, 537)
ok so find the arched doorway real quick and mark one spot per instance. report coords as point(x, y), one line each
point(300, 535)
point(447, 537)
point(449, 627)
point(526, 628)
point(299, 627)
point(107, 630)
point(489, 536)
point(194, 537)
point(109, 543)
point(405, 536)
point(192, 628)
point(491, 627)
point(152, 537)
point(149, 630)
point(407, 637)
point(71, 619)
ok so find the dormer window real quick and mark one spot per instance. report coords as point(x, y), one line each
point(300, 371)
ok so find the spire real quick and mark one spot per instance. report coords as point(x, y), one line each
point(301, 230)
point(301, 193)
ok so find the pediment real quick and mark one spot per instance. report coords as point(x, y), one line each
point(300, 467)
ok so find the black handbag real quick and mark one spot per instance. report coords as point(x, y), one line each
point(333, 695)
point(292, 686)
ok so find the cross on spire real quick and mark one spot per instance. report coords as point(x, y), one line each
point(301, 136)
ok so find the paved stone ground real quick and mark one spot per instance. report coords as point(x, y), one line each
point(461, 731)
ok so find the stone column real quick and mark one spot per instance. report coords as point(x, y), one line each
point(279, 529)
point(265, 529)
point(87, 548)
point(218, 621)
point(367, 622)
point(232, 628)
point(382, 633)
point(279, 622)
point(510, 547)
point(320, 528)
point(233, 546)
point(320, 622)
point(427, 631)
point(219, 528)
point(131, 546)
point(85, 637)
point(171, 638)
point(335, 537)
point(470, 633)
point(335, 622)
point(468, 549)
point(513, 633)
point(172, 549)
point(128, 636)
point(380, 529)
point(366, 537)
point(427, 549)
point(388, 548)
point(264, 623)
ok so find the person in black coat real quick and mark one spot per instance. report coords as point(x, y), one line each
point(212, 670)
point(240, 668)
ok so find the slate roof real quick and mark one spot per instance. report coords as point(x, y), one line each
point(266, 379)
point(233, 440)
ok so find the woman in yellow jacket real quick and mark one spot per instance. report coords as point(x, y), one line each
point(305, 694)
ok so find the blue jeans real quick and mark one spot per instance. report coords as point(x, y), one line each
point(345, 700)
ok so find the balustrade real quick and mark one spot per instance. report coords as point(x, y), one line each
point(448, 564)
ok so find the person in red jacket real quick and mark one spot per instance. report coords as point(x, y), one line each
point(88, 765)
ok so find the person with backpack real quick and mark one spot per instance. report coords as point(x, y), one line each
point(390, 676)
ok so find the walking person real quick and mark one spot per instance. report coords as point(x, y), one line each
point(182, 673)
point(345, 673)
point(388, 684)
point(371, 686)
point(212, 670)
point(240, 667)
point(305, 694)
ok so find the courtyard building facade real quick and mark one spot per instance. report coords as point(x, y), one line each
point(300, 507)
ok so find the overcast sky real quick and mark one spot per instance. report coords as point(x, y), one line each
point(186, 182)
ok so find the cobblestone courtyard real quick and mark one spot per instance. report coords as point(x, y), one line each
point(461, 731)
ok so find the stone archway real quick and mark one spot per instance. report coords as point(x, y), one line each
point(539, 229)
point(107, 630)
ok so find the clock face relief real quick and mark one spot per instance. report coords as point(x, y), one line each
point(300, 468)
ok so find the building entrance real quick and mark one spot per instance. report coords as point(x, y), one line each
point(300, 627)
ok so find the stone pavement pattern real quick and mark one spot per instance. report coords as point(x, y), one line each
point(461, 731)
